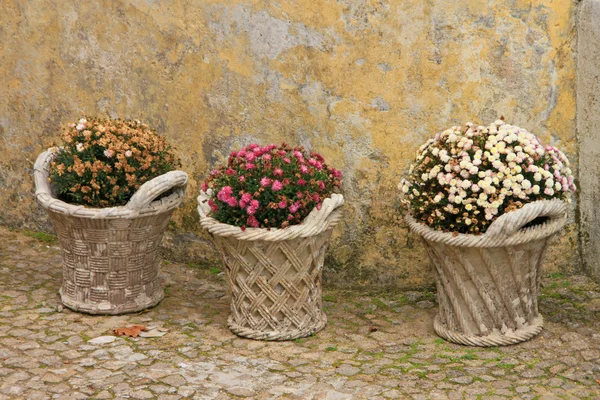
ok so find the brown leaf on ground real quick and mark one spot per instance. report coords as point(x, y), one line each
point(131, 331)
point(373, 328)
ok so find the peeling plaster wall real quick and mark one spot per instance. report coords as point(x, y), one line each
point(363, 82)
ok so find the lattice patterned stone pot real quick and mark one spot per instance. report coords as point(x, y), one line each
point(109, 255)
point(274, 275)
point(488, 285)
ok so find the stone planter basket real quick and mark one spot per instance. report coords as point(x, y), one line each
point(110, 255)
point(274, 276)
point(488, 284)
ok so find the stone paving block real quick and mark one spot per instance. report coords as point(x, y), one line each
point(48, 354)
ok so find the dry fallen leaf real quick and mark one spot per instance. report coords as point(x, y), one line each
point(131, 331)
point(372, 328)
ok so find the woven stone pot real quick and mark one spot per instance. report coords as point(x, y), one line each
point(488, 285)
point(274, 275)
point(109, 255)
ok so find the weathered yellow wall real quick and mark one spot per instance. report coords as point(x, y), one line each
point(364, 82)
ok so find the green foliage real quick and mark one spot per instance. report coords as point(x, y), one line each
point(103, 162)
point(270, 187)
point(466, 177)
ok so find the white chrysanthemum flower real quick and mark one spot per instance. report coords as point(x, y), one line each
point(79, 147)
point(468, 207)
point(526, 184)
point(549, 183)
point(537, 177)
point(128, 153)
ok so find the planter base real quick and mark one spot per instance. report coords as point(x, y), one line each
point(107, 308)
point(274, 335)
point(494, 339)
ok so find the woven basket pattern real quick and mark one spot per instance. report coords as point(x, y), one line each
point(488, 286)
point(275, 287)
point(110, 256)
point(274, 275)
point(487, 296)
point(110, 265)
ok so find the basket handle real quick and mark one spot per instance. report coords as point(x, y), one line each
point(202, 199)
point(149, 191)
point(43, 190)
point(313, 221)
point(512, 222)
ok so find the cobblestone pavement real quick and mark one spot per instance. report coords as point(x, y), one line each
point(374, 347)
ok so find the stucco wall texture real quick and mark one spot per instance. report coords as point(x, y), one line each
point(363, 82)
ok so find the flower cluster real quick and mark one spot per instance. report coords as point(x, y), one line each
point(466, 177)
point(270, 187)
point(103, 162)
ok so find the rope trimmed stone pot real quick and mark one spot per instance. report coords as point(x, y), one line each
point(110, 255)
point(488, 284)
point(274, 276)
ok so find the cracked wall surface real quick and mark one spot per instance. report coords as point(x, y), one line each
point(363, 82)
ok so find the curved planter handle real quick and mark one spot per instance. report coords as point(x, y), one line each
point(511, 223)
point(151, 190)
point(43, 190)
point(145, 195)
point(314, 223)
point(508, 230)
